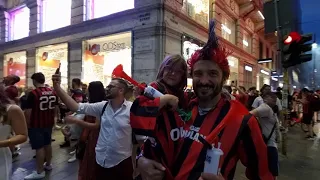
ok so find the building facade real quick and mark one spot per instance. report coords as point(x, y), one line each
point(90, 37)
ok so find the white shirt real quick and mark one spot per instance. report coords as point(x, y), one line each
point(258, 101)
point(115, 138)
point(267, 119)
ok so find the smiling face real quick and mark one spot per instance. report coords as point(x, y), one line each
point(172, 75)
point(207, 79)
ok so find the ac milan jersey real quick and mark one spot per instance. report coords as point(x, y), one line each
point(178, 148)
point(42, 101)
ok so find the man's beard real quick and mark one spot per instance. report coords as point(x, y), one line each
point(215, 90)
point(110, 95)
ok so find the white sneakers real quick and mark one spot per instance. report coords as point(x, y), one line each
point(72, 159)
point(35, 175)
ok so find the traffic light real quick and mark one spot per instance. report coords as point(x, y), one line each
point(294, 49)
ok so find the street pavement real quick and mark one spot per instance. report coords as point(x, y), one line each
point(302, 162)
point(25, 163)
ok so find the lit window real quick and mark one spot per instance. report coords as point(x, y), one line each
point(228, 30)
point(247, 41)
point(19, 23)
point(197, 10)
point(55, 14)
point(100, 8)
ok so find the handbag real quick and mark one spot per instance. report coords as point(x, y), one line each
point(82, 144)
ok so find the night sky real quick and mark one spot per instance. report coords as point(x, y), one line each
point(311, 17)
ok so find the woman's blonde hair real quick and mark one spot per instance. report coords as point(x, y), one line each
point(171, 61)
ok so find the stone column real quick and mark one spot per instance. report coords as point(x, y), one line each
point(217, 15)
point(255, 46)
point(35, 16)
point(148, 52)
point(1, 65)
point(4, 26)
point(30, 66)
point(239, 34)
point(74, 60)
point(78, 11)
point(241, 78)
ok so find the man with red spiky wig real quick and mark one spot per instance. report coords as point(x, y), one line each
point(214, 117)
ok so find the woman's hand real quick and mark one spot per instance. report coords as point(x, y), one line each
point(208, 176)
point(150, 169)
point(169, 100)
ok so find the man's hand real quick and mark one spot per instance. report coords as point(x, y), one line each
point(71, 120)
point(56, 81)
point(150, 170)
point(208, 176)
point(169, 100)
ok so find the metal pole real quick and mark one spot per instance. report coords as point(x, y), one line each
point(285, 79)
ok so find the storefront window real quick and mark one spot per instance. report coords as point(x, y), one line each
point(228, 29)
point(15, 63)
point(189, 46)
point(100, 8)
point(263, 78)
point(247, 42)
point(19, 23)
point(102, 55)
point(197, 10)
point(248, 77)
point(233, 64)
point(55, 14)
point(48, 59)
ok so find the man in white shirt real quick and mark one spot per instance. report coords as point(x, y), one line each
point(114, 145)
point(258, 101)
point(269, 125)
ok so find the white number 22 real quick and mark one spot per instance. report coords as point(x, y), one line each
point(47, 102)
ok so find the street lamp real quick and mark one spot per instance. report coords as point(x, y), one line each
point(314, 45)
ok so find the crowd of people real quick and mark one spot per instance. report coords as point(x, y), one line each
point(118, 132)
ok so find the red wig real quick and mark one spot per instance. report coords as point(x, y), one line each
point(212, 51)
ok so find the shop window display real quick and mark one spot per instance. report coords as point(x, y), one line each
point(52, 20)
point(100, 8)
point(15, 63)
point(102, 55)
point(19, 23)
point(48, 59)
point(197, 10)
point(189, 46)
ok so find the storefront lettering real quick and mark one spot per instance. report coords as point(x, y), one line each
point(56, 54)
point(144, 17)
point(113, 46)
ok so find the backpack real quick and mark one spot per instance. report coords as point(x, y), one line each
point(81, 145)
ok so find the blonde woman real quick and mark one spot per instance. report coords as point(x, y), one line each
point(11, 119)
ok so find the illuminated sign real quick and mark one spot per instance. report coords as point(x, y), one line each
point(264, 72)
point(248, 68)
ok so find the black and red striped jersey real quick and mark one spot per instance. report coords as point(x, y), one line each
point(176, 144)
point(42, 101)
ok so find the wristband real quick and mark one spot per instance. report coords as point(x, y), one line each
point(138, 157)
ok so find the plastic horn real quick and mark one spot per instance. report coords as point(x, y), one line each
point(119, 73)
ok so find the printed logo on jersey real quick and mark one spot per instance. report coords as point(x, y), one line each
point(192, 133)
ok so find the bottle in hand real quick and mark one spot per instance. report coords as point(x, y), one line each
point(58, 69)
